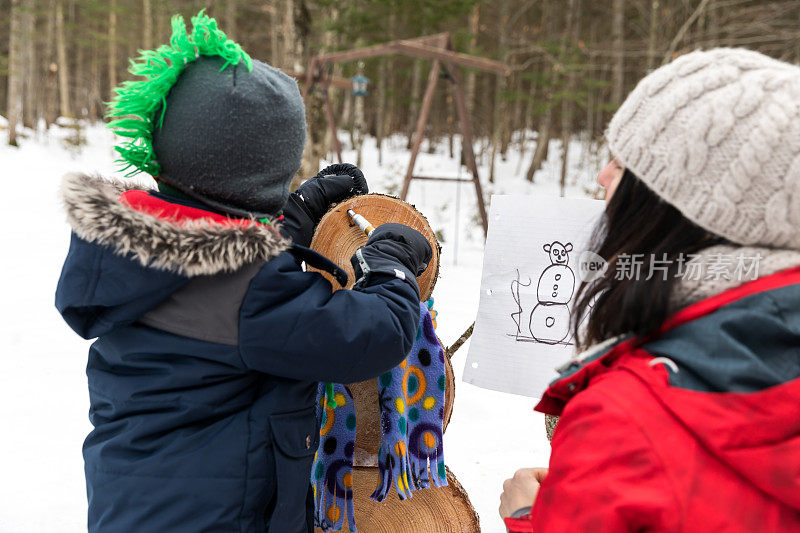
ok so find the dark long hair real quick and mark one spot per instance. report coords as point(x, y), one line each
point(637, 227)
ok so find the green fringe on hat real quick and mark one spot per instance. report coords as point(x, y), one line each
point(139, 105)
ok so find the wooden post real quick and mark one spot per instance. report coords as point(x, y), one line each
point(332, 125)
point(427, 101)
point(311, 74)
point(466, 141)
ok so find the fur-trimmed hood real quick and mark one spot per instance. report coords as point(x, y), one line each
point(191, 248)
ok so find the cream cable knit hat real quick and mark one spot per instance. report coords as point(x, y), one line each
point(717, 135)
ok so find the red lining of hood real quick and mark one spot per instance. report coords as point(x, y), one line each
point(145, 202)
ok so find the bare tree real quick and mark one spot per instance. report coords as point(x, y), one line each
point(30, 86)
point(617, 28)
point(380, 111)
point(63, 67)
point(112, 46)
point(358, 121)
point(652, 35)
point(673, 46)
point(147, 24)
point(276, 53)
point(51, 85)
point(15, 71)
point(230, 19)
point(571, 34)
point(499, 119)
point(474, 20)
point(413, 112)
point(543, 131)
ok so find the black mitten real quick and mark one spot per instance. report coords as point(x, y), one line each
point(308, 204)
point(347, 169)
point(395, 250)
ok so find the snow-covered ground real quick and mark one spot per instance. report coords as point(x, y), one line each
point(43, 396)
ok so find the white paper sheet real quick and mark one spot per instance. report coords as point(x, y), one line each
point(530, 277)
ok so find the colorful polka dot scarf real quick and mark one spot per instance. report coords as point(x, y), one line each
point(411, 455)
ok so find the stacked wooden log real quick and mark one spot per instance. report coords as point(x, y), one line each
point(435, 510)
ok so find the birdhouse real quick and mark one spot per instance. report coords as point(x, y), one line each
point(360, 84)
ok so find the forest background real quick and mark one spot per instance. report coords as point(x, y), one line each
point(572, 61)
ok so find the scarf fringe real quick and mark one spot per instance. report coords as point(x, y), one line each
point(412, 474)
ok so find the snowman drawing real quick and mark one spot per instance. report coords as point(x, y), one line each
point(550, 318)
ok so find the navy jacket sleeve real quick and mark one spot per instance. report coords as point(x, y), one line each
point(291, 325)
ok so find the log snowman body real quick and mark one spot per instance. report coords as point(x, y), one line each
point(446, 509)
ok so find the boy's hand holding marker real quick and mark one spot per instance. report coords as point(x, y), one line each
point(405, 244)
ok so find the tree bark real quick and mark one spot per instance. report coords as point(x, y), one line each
point(517, 119)
point(652, 34)
point(315, 117)
point(713, 25)
point(347, 112)
point(527, 123)
point(499, 119)
point(289, 36)
point(358, 122)
point(15, 71)
point(604, 72)
point(380, 111)
point(474, 27)
point(147, 24)
point(63, 67)
point(161, 13)
point(542, 144)
point(617, 28)
point(95, 100)
point(51, 84)
point(275, 51)
point(543, 131)
point(30, 84)
point(295, 30)
point(591, 94)
point(330, 43)
point(80, 91)
point(230, 19)
point(572, 32)
point(413, 112)
point(112, 47)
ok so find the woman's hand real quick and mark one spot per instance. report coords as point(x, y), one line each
point(520, 491)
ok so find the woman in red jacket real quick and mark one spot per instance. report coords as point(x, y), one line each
point(683, 412)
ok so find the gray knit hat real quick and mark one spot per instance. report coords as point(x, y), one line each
point(717, 135)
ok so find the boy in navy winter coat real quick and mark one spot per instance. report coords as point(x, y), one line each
point(210, 336)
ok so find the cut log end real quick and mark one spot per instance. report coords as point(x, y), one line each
point(436, 510)
point(337, 238)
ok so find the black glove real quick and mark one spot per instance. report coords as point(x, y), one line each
point(347, 169)
point(391, 246)
point(308, 204)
